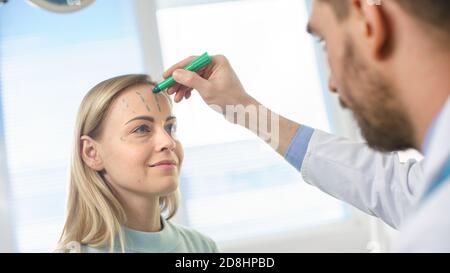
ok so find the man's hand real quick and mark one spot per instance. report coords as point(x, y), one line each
point(217, 83)
point(219, 86)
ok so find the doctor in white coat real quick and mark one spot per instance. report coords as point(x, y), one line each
point(390, 65)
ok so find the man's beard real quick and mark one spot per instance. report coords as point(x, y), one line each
point(378, 112)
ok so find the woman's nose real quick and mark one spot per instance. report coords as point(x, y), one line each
point(164, 141)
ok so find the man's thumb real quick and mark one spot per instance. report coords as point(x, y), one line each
point(190, 79)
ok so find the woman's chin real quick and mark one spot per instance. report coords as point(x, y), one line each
point(163, 186)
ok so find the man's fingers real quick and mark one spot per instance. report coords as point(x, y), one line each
point(171, 90)
point(175, 88)
point(179, 96)
point(185, 89)
point(178, 65)
point(191, 79)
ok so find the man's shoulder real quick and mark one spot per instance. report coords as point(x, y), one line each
point(427, 230)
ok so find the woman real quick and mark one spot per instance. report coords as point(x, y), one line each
point(125, 173)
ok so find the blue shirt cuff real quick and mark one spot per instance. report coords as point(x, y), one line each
point(298, 147)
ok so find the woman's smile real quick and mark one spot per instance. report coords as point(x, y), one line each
point(165, 165)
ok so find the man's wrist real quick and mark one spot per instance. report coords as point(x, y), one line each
point(248, 100)
point(243, 112)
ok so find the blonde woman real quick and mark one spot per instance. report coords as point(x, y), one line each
point(125, 173)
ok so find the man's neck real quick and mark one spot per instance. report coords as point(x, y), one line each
point(424, 116)
point(426, 88)
point(420, 70)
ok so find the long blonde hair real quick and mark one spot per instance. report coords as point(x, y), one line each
point(94, 214)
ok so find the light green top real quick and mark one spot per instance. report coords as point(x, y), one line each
point(171, 238)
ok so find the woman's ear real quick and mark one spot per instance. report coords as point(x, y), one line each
point(90, 153)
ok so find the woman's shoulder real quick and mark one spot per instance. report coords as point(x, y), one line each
point(195, 241)
point(71, 247)
point(77, 247)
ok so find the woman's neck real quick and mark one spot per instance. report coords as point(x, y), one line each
point(143, 213)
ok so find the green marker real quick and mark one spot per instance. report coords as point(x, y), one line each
point(197, 64)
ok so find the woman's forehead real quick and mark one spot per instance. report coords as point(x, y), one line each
point(140, 100)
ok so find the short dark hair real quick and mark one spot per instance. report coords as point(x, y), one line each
point(433, 12)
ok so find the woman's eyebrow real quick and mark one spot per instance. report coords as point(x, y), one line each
point(148, 118)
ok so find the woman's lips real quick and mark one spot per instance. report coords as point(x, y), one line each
point(165, 164)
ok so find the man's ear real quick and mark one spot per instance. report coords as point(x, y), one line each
point(374, 26)
point(90, 153)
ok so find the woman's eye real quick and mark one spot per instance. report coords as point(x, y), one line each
point(142, 129)
point(171, 129)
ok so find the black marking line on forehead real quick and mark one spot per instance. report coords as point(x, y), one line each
point(157, 102)
point(125, 102)
point(140, 95)
point(143, 101)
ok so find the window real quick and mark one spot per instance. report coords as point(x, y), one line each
point(41, 95)
point(233, 185)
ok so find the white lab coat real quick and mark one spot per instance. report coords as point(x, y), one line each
point(380, 185)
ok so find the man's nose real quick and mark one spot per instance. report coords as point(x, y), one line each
point(332, 85)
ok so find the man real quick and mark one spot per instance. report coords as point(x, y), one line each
point(390, 64)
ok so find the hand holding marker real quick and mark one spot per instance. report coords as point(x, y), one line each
point(197, 64)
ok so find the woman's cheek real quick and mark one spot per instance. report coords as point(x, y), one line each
point(130, 156)
point(179, 151)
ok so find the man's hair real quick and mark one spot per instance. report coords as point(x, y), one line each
point(435, 13)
